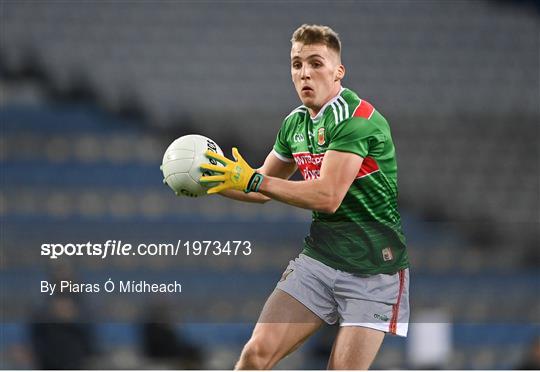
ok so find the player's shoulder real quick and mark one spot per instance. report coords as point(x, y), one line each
point(348, 105)
point(362, 108)
point(298, 113)
point(294, 119)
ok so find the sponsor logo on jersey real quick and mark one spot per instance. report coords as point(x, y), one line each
point(320, 137)
point(298, 137)
point(387, 254)
point(310, 166)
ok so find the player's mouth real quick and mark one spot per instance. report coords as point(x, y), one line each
point(307, 89)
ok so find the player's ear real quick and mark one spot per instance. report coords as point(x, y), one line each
point(340, 73)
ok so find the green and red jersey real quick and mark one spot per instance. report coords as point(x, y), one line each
point(364, 235)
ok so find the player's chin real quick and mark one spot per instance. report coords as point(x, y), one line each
point(306, 99)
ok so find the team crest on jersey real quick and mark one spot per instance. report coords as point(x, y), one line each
point(320, 137)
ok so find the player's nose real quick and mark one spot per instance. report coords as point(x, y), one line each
point(304, 72)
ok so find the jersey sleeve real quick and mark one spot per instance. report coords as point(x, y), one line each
point(358, 136)
point(281, 146)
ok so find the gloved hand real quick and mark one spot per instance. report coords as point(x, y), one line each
point(237, 174)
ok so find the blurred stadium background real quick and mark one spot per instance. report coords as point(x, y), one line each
point(93, 92)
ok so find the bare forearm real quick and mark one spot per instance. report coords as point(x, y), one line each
point(323, 194)
point(311, 194)
point(252, 197)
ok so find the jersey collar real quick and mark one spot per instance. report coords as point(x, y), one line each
point(321, 111)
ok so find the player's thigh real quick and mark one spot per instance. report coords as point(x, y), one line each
point(284, 324)
point(355, 348)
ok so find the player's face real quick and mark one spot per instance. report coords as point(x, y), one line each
point(316, 73)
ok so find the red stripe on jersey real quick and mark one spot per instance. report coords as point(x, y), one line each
point(369, 165)
point(364, 110)
point(395, 308)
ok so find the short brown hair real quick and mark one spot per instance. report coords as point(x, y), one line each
point(317, 34)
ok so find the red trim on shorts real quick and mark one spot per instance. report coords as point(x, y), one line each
point(364, 110)
point(395, 308)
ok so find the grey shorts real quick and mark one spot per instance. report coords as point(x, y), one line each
point(378, 301)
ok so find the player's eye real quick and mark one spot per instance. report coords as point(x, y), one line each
point(316, 64)
point(296, 65)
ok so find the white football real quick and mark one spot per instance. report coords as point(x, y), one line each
point(182, 161)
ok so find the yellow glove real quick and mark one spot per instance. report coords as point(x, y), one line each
point(237, 174)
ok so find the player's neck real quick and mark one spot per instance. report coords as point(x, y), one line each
point(314, 111)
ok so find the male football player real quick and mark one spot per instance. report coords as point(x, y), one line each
point(353, 268)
